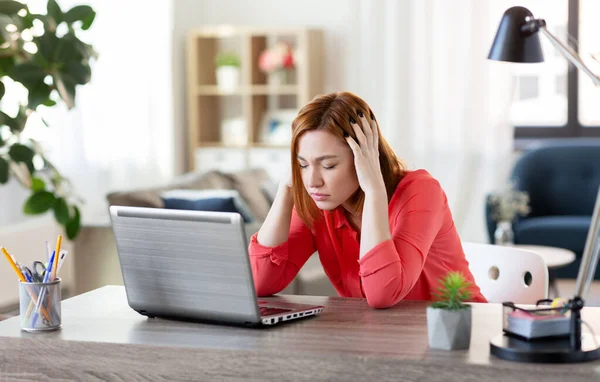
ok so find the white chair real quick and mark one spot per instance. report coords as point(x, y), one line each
point(507, 273)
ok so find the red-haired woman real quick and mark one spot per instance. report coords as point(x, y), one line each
point(381, 231)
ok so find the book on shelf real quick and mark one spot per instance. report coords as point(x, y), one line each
point(538, 324)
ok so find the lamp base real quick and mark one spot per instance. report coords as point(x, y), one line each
point(545, 351)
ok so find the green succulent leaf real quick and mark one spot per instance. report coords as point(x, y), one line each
point(74, 224)
point(83, 13)
point(4, 173)
point(452, 292)
point(9, 7)
point(37, 185)
point(39, 203)
point(61, 211)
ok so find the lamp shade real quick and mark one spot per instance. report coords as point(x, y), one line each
point(511, 43)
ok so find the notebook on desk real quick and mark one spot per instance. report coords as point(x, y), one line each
point(192, 265)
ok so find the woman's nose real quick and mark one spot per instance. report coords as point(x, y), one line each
point(315, 179)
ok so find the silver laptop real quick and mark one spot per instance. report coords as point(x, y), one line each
point(192, 265)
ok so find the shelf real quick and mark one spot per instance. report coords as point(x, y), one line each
point(214, 90)
point(254, 90)
point(219, 145)
point(274, 89)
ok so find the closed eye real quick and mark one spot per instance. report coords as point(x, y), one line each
point(329, 167)
point(303, 165)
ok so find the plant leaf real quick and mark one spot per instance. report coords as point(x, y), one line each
point(37, 184)
point(78, 72)
point(74, 224)
point(22, 153)
point(55, 12)
point(39, 203)
point(83, 13)
point(28, 73)
point(39, 95)
point(61, 211)
point(4, 174)
point(66, 89)
point(9, 7)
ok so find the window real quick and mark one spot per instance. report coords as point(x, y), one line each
point(553, 99)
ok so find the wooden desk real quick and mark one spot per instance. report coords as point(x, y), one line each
point(103, 339)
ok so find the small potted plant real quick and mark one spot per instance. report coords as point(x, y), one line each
point(506, 205)
point(228, 71)
point(278, 61)
point(448, 318)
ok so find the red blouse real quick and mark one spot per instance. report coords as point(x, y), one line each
point(424, 247)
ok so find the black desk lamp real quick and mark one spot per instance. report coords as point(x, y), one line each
point(517, 40)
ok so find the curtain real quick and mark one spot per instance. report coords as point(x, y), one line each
point(441, 104)
point(120, 135)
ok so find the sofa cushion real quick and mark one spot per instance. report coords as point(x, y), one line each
point(151, 197)
point(568, 232)
point(249, 183)
point(208, 200)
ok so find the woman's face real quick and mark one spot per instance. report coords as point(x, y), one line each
point(327, 167)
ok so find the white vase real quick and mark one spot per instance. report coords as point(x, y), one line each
point(448, 329)
point(504, 234)
point(228, 78)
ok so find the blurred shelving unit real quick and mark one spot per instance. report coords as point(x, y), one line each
point(248, 125)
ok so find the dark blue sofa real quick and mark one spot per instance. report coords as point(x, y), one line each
point(562, 180)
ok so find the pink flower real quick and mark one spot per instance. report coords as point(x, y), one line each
point(278, 57)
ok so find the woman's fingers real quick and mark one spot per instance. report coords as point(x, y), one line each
point(353, 145)
point(360, 135)
point(375, 131)
point(367, 130)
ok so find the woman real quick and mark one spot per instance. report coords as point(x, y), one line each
point(382, 232)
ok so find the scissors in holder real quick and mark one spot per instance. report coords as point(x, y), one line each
point(38, 271)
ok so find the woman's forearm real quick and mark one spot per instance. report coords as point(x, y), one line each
point(375, 227)
point(276, 227)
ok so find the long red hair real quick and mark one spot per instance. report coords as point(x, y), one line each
point(332, 112)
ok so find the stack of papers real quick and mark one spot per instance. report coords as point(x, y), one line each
point(538, 325)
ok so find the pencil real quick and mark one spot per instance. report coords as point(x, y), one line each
point(57, 253)
point(23, 279)
point(13, 265)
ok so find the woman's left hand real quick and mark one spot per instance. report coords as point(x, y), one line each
point(366, 154)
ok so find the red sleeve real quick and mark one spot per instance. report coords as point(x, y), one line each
point(274, 268)
point(390, 270)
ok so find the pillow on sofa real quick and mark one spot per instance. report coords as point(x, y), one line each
point(207, 200)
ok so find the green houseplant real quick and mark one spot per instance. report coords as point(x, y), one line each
point(449, 318)
point(227, 71)
point(43, 53)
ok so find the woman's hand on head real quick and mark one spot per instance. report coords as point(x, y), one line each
point(366, 153)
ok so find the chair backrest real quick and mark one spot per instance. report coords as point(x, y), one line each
point(550, 173)
point(507, 273)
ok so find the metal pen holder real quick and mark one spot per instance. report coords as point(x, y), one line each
point(40, 305)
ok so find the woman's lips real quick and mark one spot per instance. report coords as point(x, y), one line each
point(319, 197)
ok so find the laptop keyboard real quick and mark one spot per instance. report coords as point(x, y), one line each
point(266, 311)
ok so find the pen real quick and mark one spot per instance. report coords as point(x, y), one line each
point(42, 293)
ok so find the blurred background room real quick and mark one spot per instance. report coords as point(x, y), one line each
point(193, 99)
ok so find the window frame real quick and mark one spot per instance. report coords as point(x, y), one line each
point(573, 128)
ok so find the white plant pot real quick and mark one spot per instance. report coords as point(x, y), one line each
point(228, 78)
point(448, 329)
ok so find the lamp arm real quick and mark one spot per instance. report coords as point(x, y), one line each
point(589, 259)
point(569, 54)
